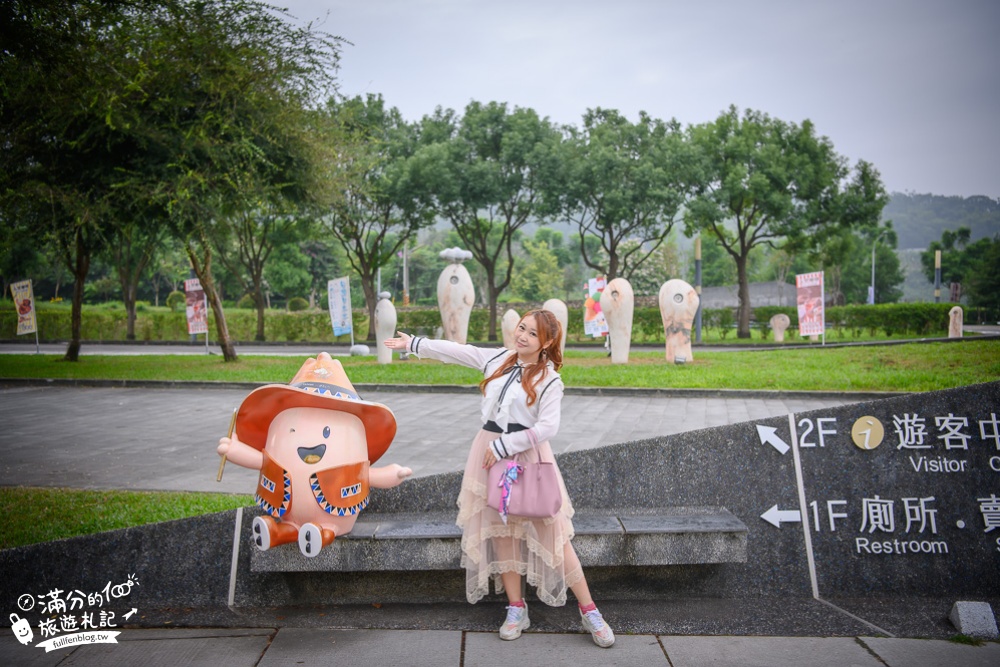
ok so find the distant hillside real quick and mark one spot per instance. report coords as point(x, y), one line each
point(920, 219)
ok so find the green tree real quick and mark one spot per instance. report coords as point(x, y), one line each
point(538, 278)
point(488, 174)
point(959, 255)
point(193, 108)
point(623, 181)
point(58, 155)
point(384, 206)
point(772, 180)
point(984, 279)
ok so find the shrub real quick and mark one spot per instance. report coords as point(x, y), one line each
point(297, 304)
point(247, 301)
point(176, 300)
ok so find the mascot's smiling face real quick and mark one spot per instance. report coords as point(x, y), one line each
point(308, 439)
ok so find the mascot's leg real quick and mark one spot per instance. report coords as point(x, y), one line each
point(269, 533)
point(312, 538)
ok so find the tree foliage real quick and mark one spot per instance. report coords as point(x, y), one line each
point(763, 180)
point(623, 182)
point(489, 173)
point(384, 205)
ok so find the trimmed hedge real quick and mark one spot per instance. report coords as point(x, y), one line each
point(915, 319)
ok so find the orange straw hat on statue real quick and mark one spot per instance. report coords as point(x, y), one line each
point(320, 383)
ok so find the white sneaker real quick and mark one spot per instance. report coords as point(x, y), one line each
point(600, 631)
point(517, 620)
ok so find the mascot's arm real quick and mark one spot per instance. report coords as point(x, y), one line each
point(239, 453)
point(388, 476)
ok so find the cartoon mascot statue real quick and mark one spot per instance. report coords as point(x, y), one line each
point(313, 441)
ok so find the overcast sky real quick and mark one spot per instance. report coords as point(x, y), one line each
point(912, 86)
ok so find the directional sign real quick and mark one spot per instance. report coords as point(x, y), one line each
point(769, 436)
point(774, 516)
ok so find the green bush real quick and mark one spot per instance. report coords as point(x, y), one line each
point(176, 300)
point(297, 304)
point(247, 301)
point(912, 319)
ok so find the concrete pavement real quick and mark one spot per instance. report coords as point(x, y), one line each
point(270, 647)
point(165, 439)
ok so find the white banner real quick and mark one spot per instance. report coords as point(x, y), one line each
point(812, 318)
point(197, 307)
point(339, 295)
point(79, 639)
point(24, 302)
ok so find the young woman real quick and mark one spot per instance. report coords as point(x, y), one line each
point(522, 396)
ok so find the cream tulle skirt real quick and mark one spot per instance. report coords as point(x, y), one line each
point(537, 550)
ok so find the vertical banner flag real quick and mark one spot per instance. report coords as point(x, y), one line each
point(197, 307)
point(339, 294)
point(594, 323)
point(24, 302)
point(812, 318)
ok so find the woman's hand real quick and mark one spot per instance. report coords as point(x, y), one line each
point(402, 342)
point(489, 459)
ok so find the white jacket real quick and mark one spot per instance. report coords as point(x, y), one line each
point(505, 401)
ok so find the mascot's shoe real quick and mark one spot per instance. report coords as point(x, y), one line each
point(269, 533)
point(312, 539)
point(262, 533)
point(600, 631)
point(517, 620)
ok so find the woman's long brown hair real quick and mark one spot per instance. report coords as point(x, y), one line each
point(549, 336)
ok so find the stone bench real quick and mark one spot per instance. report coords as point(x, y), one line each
point(432, 541)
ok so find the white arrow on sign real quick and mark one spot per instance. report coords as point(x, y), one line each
point(774, 516)
point(129, 614)
point(769, 436)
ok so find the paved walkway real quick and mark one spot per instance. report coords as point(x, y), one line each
point(264, 647)
point(165, 439)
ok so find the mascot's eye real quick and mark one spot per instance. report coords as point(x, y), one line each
point(326, 432)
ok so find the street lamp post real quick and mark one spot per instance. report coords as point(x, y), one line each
point(871, 290)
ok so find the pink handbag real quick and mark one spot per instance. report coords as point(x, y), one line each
point(530, 490)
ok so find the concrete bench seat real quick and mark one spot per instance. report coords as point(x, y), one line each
point(614, 538)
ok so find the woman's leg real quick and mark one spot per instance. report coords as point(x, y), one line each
point(593, 622)
point(512, 585)
point(580, 589)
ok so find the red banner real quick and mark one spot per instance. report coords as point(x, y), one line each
point(197, 307)
point(24, 302)
point(812, 318)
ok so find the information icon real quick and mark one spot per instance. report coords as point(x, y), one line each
point(867, 433)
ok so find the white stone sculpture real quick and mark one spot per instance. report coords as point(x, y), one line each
point(618, 305)
point(955, 320)
point(385, 327)
point(507, 325)
point(558, 308)
point(678, 307)
point(456, 295)
point(779, 323)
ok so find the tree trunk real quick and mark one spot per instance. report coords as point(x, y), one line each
point(371, 299)
point(259, 298)
point(743, 317)
point(129, 295)
point(80, 269)
point(204, 273)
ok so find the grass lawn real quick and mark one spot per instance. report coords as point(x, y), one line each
point(909, 367)
point(40, 515)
